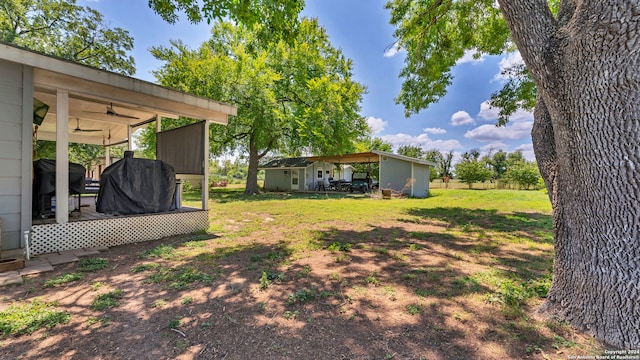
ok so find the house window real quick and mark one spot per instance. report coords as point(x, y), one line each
point(319, 174)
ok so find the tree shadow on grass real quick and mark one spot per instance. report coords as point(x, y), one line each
point(226, 196)
point(377, 293)
point(534, 226)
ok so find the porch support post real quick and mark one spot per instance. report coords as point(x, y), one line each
point(62, 156)
point(205, 168)
point(129, 142)
point(107, 153)
point(158, 123)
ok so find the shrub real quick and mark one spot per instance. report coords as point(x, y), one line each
point(525, 174)
point(472, 171)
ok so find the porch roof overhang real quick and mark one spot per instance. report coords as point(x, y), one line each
point(111, 103)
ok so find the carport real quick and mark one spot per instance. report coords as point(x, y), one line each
point(399, 173)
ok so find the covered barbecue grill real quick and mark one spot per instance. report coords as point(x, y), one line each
point(137, 186)
point(44, 184)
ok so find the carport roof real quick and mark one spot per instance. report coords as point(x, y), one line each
point(358, 158)
point(367, 157)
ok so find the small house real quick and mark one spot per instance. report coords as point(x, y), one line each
point(297, 174)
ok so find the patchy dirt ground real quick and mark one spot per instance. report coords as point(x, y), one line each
point(401, 289)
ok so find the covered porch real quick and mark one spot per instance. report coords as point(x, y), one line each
point(67, 102)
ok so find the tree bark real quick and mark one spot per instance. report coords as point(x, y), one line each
point(544, 149)
point(586, 65)
point(252, 173)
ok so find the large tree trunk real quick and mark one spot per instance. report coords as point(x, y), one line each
point(252, 173)
point(586, 65)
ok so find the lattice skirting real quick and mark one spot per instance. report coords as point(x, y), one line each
point(114, 231)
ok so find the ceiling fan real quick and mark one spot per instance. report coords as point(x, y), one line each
point(111, 112)
point(78, 129)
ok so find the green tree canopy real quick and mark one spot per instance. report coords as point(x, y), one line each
point(67, 30)
point(473, 154)
point(436, 34)
point(274, 19)
point(470, 171)
point(436, 157)
point(514, 157)
point(411, 151)
point(499, 164)
point(292, 97)
point(524, 174)
point(373, 143)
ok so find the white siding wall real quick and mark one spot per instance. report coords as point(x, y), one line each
point(421, 184)
point(277, 179)
point(11, 131)
point(344, 173)
point(311, 173)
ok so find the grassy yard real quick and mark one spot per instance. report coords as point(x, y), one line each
point(455, 276)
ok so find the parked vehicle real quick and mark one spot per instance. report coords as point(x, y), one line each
point(362, 182)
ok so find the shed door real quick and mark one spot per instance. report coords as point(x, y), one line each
point(295, 180)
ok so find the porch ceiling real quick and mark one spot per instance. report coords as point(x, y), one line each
point(91, 114)
point(106, 101)
point(105, 109)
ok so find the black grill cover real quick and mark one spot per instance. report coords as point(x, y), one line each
point(44, 177)
point(44, 182)
point(137, 186)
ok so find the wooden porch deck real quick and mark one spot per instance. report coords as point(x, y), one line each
point(88, 212)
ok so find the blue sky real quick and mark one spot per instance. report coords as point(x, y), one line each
point(460, 121)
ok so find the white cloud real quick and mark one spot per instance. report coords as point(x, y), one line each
point(521, 115)
point(489, 113)
point(527, 151)
point(434, 131)
point(423, 141)
point(469, 56)
point(507, 62)
point(491, 133)
point(376, 124)
point(461, 118)
point(444, 145)
point(393, 50)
